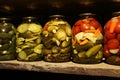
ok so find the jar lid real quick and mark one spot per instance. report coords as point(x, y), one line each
point(86, 15)
point(5, 18)
point(29, 17)
point(57, 15)
point(116, 13)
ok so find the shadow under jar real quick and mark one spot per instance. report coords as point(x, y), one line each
point(7, 40)
point(57, 39)
point(112, 39)
point(28, 40)
point(87, 40)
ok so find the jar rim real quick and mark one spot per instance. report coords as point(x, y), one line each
point(56, 15)
point(5, 18)
point(116, 13)
point(87, 14)
point(29, 17)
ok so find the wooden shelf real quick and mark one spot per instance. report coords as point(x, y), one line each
point(101, 69)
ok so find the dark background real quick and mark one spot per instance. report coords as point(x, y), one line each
point(42, 9)
point(69, 8)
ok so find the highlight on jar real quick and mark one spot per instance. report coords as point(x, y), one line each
point(87, 40)
point(112, 39)
point(57, 39)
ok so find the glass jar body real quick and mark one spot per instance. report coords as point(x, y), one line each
point(87, 40)
point(57, 40)
point(28, 40)
point(7, 40)
point(111, 40)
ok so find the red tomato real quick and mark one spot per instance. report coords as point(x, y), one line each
point(119, 50)
point(78, 23)
point(45, 28)
point(107, 26)
point(84, 27)
point(110, 35)
point(106, 51)
point(117, 27)
point(113, 44)
point(118, 37)
point(105, 39)
point(75, 30)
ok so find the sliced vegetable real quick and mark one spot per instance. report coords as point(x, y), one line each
point(68, 30)
point(51, 28)
point(32, 57)
point(65, 43)
point(23, 28)
point(113, 24)
point(114, 51)
point(83, 42)
point(38, 49)
point(22, 55)
point(55, 49)
point(61, 35)
point(35, 28)
point(97, 32)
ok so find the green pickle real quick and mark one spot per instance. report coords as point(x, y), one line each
point(87, 40)
point(7, 40)
point(29, 40)
point(57, 37)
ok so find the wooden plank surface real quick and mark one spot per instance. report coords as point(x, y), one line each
point(101, 69)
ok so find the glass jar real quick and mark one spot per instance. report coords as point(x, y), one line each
point(28, 40)
point(112, 39)
point(57, 39)
point(7, 39)
point(87, 40)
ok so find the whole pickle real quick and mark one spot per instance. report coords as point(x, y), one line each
point(93, 51)
point(99, 55)
point(84, 47)
point(5, 36)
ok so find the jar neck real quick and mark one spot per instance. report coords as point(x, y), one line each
point(30, 20)
point(87, 15)
point(56, 17)
point(116, 14)
point(5, 20)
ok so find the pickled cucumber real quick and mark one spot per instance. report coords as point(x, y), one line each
point(22, 55)
point(66, 50)
point(51, 28)
point(61, 35)
point(99, 55)
point(23, 28)
point(38, 49)
point(32, 57)
point(35, 28)
point(68, 30)
point(55, 49)
point(7, 57)
point(5, 36)
point(84, 47)
point(93, 51)
point(4, 47)
point(82, 54)
point(65, 43)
